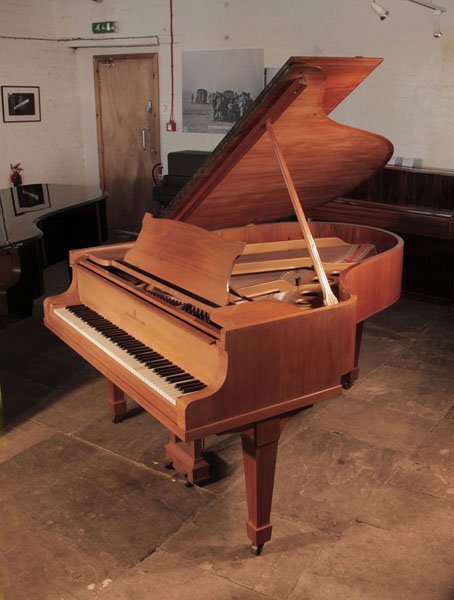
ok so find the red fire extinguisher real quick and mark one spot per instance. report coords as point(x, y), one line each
point(16, 177)
point(156, 173)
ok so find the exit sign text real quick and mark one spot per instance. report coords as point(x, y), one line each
point(104, 27)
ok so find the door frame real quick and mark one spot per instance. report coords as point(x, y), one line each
point(155, 94)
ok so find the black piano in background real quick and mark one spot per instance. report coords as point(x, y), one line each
point(39, 224)
point(418, 204)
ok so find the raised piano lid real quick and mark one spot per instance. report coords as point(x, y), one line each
point(241, 182)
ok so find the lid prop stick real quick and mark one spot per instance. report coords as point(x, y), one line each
point(328, 297)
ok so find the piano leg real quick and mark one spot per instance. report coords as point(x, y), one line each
point(259, 454)
point(187, 458)
point(117, 402)
point(349, 378)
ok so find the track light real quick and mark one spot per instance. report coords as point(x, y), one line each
point(437, 12)
point(379, 10)
point(437, 30)
point(429, 4)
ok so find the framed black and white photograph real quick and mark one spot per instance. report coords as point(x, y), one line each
point(29, 198)
point(218, 87)
point(20, 104)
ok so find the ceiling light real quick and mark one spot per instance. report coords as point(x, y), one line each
point(437, 12)
point(437, 29)
point(379, 10)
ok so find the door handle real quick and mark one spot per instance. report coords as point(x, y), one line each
point(144, 143)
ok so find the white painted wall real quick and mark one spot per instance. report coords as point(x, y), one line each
point(50, 150)
point(408, 99)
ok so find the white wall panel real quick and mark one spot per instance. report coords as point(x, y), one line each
point(408, 99)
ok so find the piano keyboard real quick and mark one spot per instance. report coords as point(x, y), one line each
point(163, 376)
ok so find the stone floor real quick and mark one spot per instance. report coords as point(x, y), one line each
point(364, 492)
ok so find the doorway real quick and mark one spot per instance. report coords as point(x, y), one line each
point(127, 114)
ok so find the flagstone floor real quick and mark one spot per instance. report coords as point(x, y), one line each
point(363, 506)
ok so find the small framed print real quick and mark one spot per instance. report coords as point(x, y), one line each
point(28, 198)
point(20, 104)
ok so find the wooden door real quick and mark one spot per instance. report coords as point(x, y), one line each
point(127, 107)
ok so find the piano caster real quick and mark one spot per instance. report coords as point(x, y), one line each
point(168, 464)
point(117, 419)
point(256, 550)
point(346, 383)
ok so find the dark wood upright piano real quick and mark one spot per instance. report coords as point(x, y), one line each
point(418, 205)
point(222, 317)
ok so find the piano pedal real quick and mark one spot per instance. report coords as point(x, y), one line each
point(177, 476)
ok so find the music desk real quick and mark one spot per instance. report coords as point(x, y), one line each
point(39, 224)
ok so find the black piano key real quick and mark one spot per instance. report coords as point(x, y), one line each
point(129, 343)
point(120, 339)
point(96, 322)
point(116, 333)
point(172, 370)
point(148, 354)
point(183, 377)
point(184, 384)
point(134, 349)
point(143, 356)
point(143, 359)
point(121, 343)
point(154, 360)
point(164, 374)
point(157, 363)
point(138, 346)
point(195, 388)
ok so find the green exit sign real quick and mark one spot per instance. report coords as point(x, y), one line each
point(104, 27)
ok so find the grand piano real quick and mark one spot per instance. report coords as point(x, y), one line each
point(230, 315)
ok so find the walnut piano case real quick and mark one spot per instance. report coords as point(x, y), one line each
point(214, 320)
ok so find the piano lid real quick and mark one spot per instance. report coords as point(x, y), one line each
point(241, 182)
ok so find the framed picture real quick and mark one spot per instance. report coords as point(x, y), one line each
point(20, 104)
point(29, 198)
point(219, 86)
